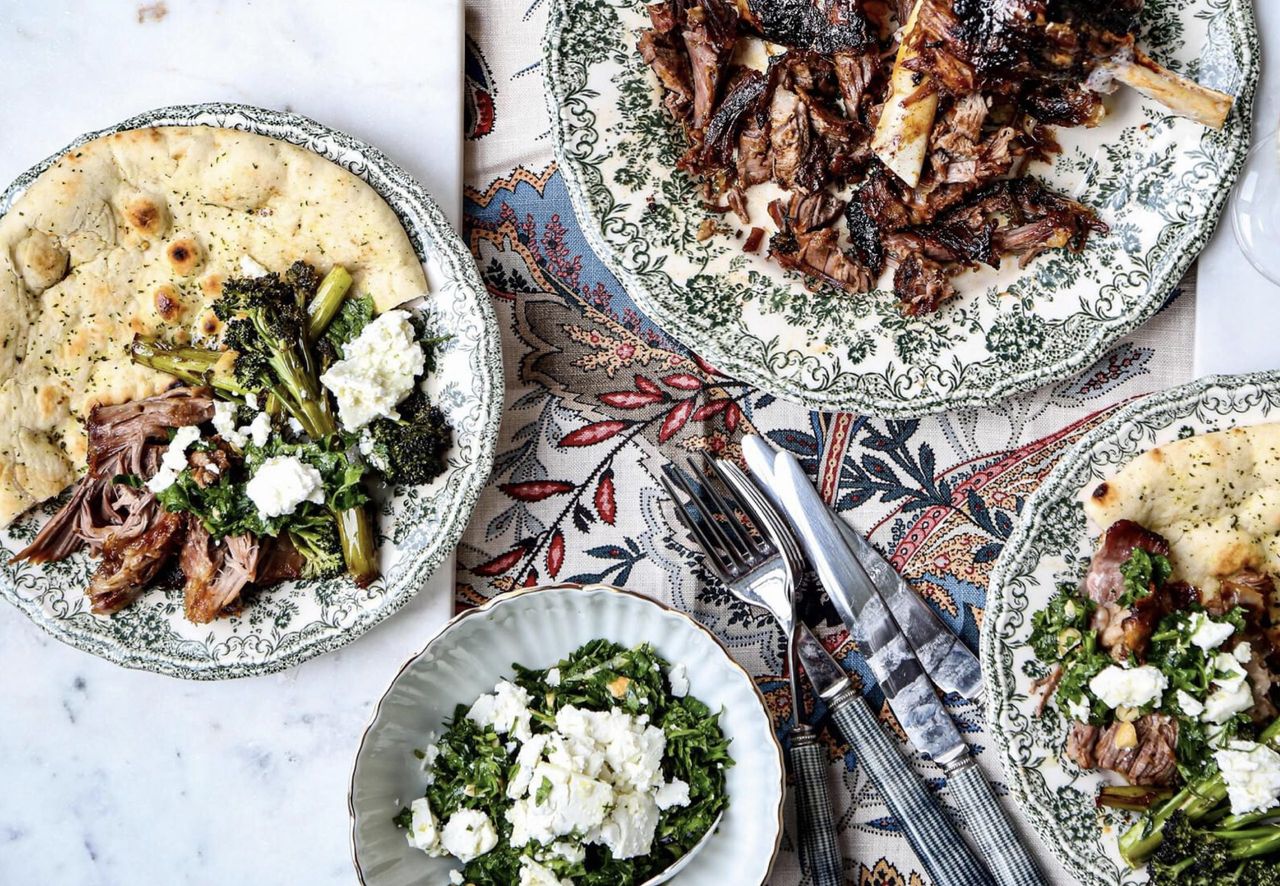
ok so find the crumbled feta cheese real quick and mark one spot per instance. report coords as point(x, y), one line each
point(1209, 634)
point(632, 749)
point(506, 709)
point(1079, 710)
point(468, 834)
point(573, 803)
point(1243, 652)
point(1233, 694)
point(281, 483)
point(1188, 704)
point(455, 877)
point(295, 426)
point(1129, 687)
point(251, 400)
point(1252, 774)
point(249, 267)
point(378, 370)
point(424, 831)
point(528, 758)
point(629, 830)
point(534, 874)
point(570, 852)
point(429, 756)
point(258, 430)
point(679, 678)
point(553, 677)
point(224, 422)
point(673, 793)
point(174, 460)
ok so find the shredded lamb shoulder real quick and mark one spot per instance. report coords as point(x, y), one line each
point(1000, 74)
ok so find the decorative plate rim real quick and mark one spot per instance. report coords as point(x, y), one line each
point(488, 347)
point(1017, 551)
point(497, 601)
point(758, 374)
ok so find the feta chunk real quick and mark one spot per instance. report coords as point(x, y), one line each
point(455, 877)
point(258, 430)
point(570, 852)
point(673, 793)
point(506, 709)
point(224, 422)
point(174, 460)
point(629, 830)
point(1079, 710)
point(1243, 652)
point(281, 483)
point(1233, 694)
point(631, 748)
point(468, 834)
point(1116, 686)
point(1188, 704)
point(679, 679)
point(553, 677)
point(575, 803)
point(1209, 634)
point(1252, 774)
point(534, 874)
point(250, 267)
point(377, 372)
point(424, 830)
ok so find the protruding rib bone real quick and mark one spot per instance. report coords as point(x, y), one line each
point(901, 139)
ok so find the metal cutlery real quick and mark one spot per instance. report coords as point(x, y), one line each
point(944, 853)
point(761, 572)
point(949, 663)
point(905, 684)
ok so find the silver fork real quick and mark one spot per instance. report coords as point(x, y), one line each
point(762, 569)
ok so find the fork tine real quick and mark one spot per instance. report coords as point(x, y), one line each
point(715, 519)
point(714, 558)
point(760, 508)
point(733, 524)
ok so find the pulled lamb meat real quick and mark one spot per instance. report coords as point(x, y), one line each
point(216, 572)
point(1003, 72)
point(130, 562)
point(126, 439)
point(1144, 751)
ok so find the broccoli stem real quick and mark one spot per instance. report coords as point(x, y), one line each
point(356, 534)
point(1196, 801)
point(327, 301)
point(199, 367)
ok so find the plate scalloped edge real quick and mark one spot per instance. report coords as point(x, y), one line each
point(1052, 521)
point(432, 238)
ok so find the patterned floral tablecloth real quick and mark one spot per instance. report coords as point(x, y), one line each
point(598, 398)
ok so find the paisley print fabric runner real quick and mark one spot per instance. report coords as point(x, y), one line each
point(598, 398)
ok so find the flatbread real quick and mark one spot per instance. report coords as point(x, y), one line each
point(1215, 497)
point(135, 233)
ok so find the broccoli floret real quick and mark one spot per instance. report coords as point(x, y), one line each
point(1192, 856)
point(316, 539)
point(412, 449)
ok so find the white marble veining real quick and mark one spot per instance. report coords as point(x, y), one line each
point(109, 776)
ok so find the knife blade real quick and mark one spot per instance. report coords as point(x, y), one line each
point(950, 664)
point(905, 685)
point(826, 675)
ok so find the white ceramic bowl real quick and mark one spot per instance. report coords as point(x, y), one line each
point(537, 628)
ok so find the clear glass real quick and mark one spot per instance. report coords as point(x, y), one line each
point(1255, 208)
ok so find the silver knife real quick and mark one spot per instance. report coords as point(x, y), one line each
point(906, 687)
point(949, 663)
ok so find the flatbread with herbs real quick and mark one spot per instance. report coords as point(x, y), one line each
point(134, 233)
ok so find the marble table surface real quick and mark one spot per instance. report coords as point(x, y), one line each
point(110, 776)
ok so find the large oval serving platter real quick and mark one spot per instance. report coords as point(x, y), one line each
point(1159, 181)
point(538, 627)
point(293, 622)
point(1052, 545)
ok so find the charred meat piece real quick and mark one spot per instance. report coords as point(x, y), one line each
point(216, 572)
point(796, 165)
point(710, 32)
point(1103, 582)
point(1143, 751)
point(113, 429)
point(667, 59)
point(822, 25)
point(720, 139)
point(921, 284)
point(129, 563)
point(808, 243)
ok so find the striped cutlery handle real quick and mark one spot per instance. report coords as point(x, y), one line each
point(991, 831)
point(819, 852)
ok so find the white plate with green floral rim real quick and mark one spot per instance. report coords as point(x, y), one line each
point(537, 627)
point(1159, 181)
point(1051, 545)
point(293, 622)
